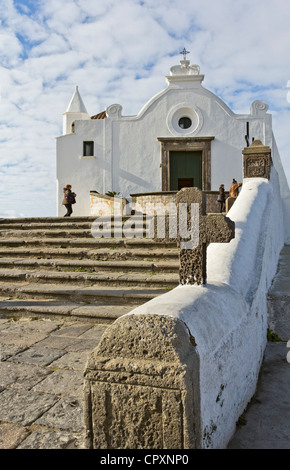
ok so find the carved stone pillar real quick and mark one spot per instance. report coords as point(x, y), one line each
point(142, 386)
point(257, 160)
point(203, 229)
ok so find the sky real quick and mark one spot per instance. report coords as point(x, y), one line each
point(119, 51)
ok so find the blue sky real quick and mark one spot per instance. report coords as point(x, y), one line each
point(120, 51)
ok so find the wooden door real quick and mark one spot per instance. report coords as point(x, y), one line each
point(185, 169)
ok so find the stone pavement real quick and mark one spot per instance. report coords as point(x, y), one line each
point(265, 424)
point(41, 382)
point(279, 297)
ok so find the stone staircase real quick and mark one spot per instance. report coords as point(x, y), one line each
point(54, 267)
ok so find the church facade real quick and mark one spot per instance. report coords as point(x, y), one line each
point(184, 136)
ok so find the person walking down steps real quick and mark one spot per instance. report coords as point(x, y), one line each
point(69, 198)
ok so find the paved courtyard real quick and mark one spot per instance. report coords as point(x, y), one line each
point(41, 388)
point(41, 382)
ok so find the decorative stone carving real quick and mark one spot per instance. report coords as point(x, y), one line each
point(142, 386)
point(114, 111)
point(257, 160)
point(259, 108)
point(185, 68)
point(185, 73)
point(212, 228)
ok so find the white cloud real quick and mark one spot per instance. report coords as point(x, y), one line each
point(10, 48)
point(53, 44)
point(120, 51)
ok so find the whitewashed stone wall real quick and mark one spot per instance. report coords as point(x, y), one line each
point(228, 317)
point(226, 320)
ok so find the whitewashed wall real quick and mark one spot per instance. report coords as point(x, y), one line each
point(284, 189)
point(228, 316)
point(127, 152)
point(85, 174)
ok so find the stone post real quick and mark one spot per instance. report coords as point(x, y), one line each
point(257, 160)
point(204, 229)
point(141, 387)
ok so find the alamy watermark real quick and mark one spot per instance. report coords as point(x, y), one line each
point(157, 220)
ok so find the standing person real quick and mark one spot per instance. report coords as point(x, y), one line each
point(221, 197)
point(234, 189)
point(68, 199)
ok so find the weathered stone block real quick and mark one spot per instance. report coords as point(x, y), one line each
point(204, 229)
point(229, 203)
point(257, 160)
point(142, 386)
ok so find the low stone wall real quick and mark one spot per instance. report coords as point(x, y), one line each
point(211, 201)
point(153, 203)
point(178, 371)
point(102, 205)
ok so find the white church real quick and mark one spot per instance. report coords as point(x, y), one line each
point(184, 136)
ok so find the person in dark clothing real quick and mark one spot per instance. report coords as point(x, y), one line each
point(221, 197)
point(68, 199)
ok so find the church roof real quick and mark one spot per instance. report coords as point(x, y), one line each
point(76, 104)
point(101, 115)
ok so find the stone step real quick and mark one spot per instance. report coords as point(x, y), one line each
point(55, 267)
point(68, 224)
point(37, 233)
point(106, 253)
point(67, 220)
point(45, 225)
point(71, 233)
point(71, 293)
point(50, 220)
point(100, 278)
point(90, 265)
point(106, 226)
point(84, 311)
point(109, 242)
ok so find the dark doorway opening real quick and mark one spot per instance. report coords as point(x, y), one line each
point(185, 183)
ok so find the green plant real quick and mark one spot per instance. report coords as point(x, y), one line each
point(272, 336)
point(112, 194)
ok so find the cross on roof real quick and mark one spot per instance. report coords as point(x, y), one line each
point(184, 52)
point(213, 228)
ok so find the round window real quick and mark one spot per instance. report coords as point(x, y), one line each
point(184, 122)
